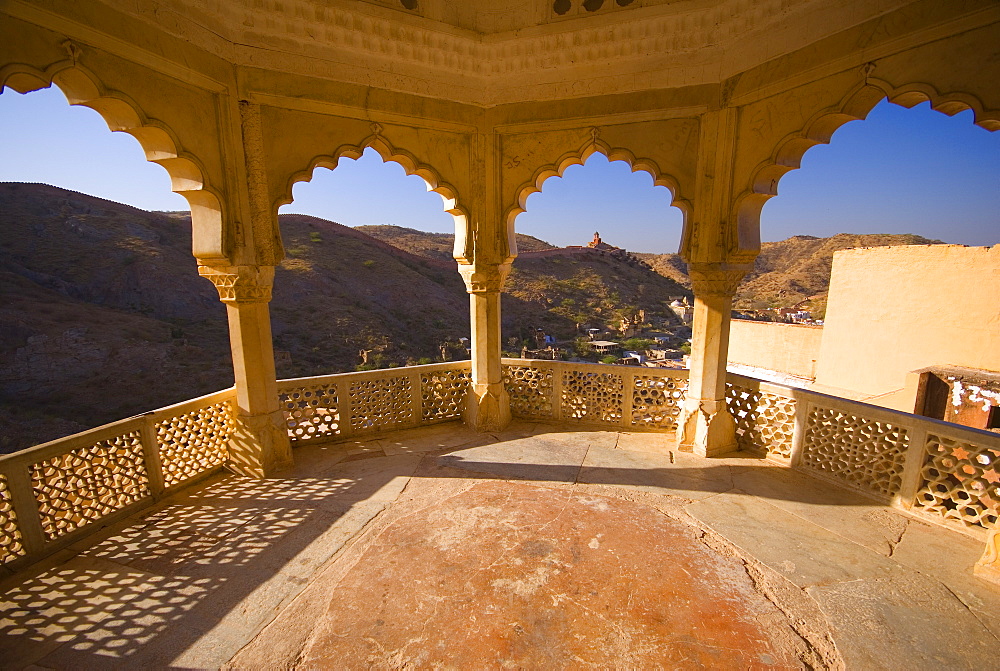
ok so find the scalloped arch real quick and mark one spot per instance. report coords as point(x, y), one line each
point(579, 157)
point(158, 143)
point(409, 163)
point(819, 130)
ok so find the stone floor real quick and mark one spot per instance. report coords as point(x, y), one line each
point(542, 547)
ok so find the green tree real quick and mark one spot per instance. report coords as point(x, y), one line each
point(637, 344)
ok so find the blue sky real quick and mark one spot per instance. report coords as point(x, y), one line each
point(898, 171)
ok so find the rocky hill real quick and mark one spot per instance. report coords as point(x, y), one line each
point(103, 314)
point(436, 245)
point(668, 265)
point(789, 272)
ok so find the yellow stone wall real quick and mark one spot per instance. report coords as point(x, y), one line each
point(786, 348)
point(896, 309)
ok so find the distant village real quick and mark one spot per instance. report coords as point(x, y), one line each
point(635, 340)
point(793, 315)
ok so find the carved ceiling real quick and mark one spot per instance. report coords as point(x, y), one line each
point(487, 53)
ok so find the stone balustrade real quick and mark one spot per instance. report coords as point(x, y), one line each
point(52, 494)
point(331, 406)
point(943, 472)
point(626, 396)
point(946, 473)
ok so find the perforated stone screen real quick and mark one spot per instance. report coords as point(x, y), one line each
point(866, 453)
point(311, 411)
point(530, 390)
point(593, 397)
point(959, 481)
point(10, 535)
point(442, 394)
point(89, 483)
point(656, 401)
point(764, 422)
point(381, 402)
point(194, 442)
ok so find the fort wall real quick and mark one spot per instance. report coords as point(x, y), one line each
point(893, 310)
point(787, 348)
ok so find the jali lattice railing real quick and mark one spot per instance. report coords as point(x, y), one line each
point(331, 406)
point(943, 472)
point(627, 396)
point(53, 493)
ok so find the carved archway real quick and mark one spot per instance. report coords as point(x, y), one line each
point(579, 157)
point(410, 164)
point(158, 142)
point(819, 130)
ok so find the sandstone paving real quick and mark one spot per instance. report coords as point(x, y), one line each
point(904, 620)
point(839, 510)
point(945, 555)
point(545, 457)
point(520, 575)
point(540, 546)
point(646, 471)
point(803, 552)
point(882, 615)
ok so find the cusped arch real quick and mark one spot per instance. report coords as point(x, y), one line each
point(819, 130)
point(158, 142)
point(410, 164)
point(579, 157)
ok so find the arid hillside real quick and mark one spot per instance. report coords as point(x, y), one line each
point(791, 271)
point(436, 245)
point(558, 293)
point(103, 314)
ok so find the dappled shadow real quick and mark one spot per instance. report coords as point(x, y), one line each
point(187, 583)
point(190, 581)
point(102, 612)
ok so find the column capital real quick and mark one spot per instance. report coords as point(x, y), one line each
point(717, 279)
point(481, 278)
point(240, 284)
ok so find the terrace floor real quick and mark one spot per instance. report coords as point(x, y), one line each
point(541, 547)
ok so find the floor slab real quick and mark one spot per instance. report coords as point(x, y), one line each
point(542, 545)
point(517, 575)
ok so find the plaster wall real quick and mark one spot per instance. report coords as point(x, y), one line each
point(892, 310)
point(786, 348)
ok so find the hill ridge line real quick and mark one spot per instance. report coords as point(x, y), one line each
point(361, 235)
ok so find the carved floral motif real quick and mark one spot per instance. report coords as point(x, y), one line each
point(484, 278)
point(240, 284)
point(716, 279)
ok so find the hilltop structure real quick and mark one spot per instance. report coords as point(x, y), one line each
point(597, 243)
point(715, 99)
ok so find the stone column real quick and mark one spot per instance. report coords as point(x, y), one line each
point(488, 406)
point(259, 446)
point(988, 566)
point(705, 426)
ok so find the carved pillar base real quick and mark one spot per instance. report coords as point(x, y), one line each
point(260, 446)
point(988, 566)
point(706, 428)
point(488, 410)
point(488, 405)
